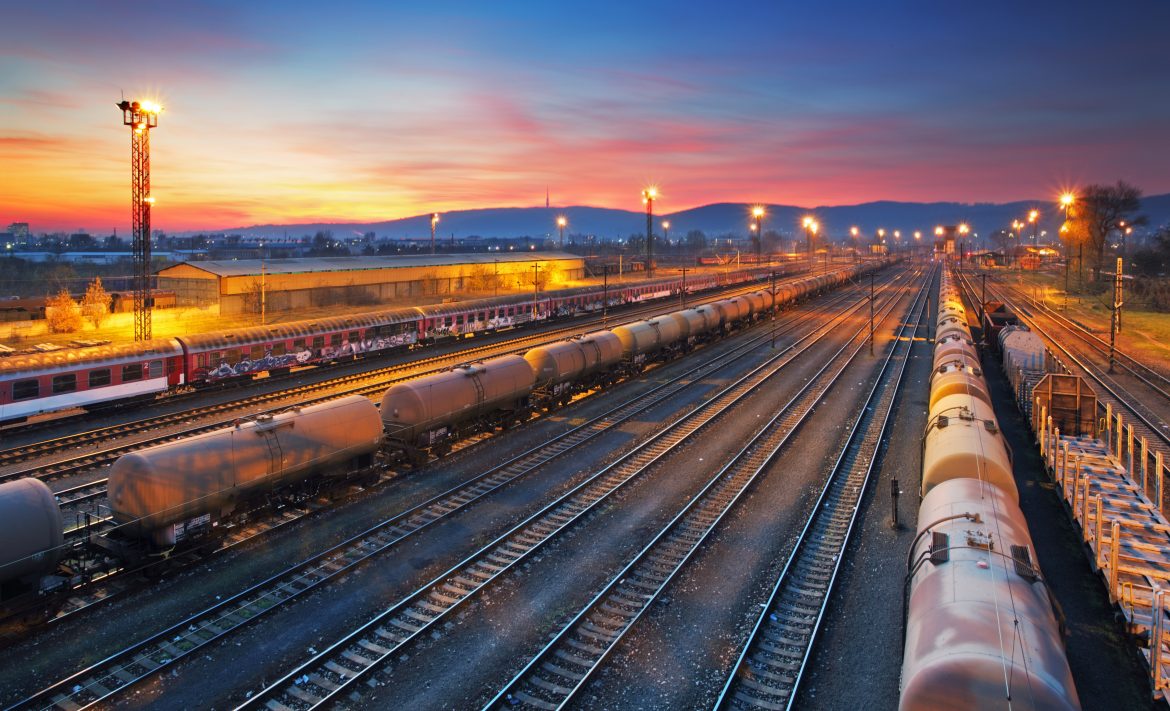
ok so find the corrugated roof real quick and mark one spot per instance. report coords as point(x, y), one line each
point(252, 267)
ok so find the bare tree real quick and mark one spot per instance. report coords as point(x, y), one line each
point(1105, 209)
point(95, 305)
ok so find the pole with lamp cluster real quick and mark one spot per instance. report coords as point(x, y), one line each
point(853, 232)
point(1066, 202)
point(648, 195)
point(561, 222)
point(434, 221)
point(758, 222)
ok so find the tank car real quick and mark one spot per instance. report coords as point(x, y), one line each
point(954, 345)
point(693, 325)
point(980, 628)
point(957, 377)
point(562, 367)
point(963, 439)
point(425, 414)
point(31, 535)
point(175, 491)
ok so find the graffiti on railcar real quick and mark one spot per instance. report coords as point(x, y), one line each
point(346, 349)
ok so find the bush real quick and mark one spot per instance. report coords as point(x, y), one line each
point(62, 313)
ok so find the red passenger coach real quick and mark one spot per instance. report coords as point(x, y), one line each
point(240, 353)
point(37, 383)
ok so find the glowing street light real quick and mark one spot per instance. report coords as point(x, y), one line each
point(938, 231)
point(758, 224)
point(810, 230)
point(648, 195)
point(561, 222)
point(666, 231)
point(434, 221)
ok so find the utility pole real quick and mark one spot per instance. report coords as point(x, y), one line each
point(535, 287)
point(871, 313)
point(983, 297)
point(263, 293)
point(1115, 322)
point(774, 308)
point(140, 116)
point(682, 297)
point(604, 295)
point(496, 281)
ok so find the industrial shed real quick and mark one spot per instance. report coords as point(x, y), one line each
point(235, 286)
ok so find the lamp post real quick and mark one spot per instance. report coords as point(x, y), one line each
point(1034, 218)
point(561, 222)
point(964, 228)
point(758, 221)
point(682, 295)
point(434, 221)
point(809, 224)
point(648, 195)
point(853, 232)
point(666, 232)
point(1066, 203)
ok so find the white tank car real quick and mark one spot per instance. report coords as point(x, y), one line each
point(980, 632)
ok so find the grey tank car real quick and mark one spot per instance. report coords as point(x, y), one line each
point(166, 491)
point(30, 534)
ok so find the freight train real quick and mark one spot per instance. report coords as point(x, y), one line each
point(981, 631)
point(83, 378)
point(179, 495)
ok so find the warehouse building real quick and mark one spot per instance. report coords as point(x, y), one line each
point(236, 286)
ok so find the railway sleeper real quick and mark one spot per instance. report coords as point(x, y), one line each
point(585, 647)
point(561, 672)
point(764, 671)
point(764, 664)
point(534, 702)
point(550, 686)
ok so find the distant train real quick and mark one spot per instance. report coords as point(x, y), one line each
point(980, 628)
point(426, 414)
point(38, 383)
point(177, 495)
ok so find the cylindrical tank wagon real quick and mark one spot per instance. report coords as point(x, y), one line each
point(170, 491)
point(426, 413)
point(566, 366)
point(980, 631)
point(980, 628)
point(31, 534)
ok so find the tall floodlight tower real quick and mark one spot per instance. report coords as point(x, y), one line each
point(140, 116)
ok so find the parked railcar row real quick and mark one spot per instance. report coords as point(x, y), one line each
point(34, 384)
point(426, 414)
point(176, 494)
point(980, 629)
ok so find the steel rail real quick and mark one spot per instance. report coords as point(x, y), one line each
point(141, 660)
point(406, 371)
point(773, 659)
point(566, 663)
point(364, 649)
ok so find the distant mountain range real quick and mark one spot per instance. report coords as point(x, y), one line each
point(714, 220)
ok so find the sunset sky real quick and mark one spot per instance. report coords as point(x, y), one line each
point(295, 112)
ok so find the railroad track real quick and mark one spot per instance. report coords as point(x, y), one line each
point(1154, 380)
point(143, 659)
point(1146, 424)
point(71, 466)
point(359, 653)
point(563, 667)
point(770, 666)
point(85, 516)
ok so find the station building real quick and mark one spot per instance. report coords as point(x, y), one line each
point(236, 286)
